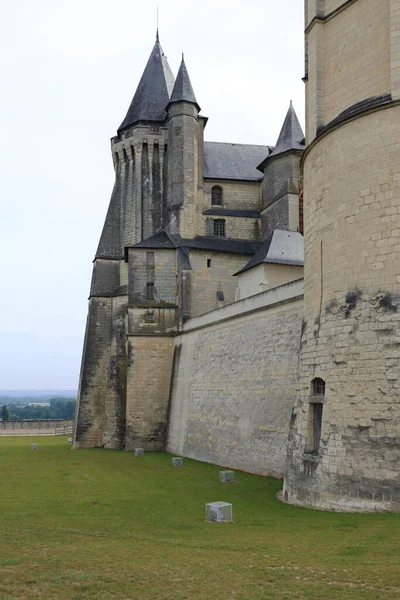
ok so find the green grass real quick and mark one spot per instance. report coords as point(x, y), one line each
point(103, 524)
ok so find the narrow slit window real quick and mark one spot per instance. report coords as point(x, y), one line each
point(219, 227)
point(149, 291)
point(317, 425)
point(208, 263)
point(150, 259)
point(316, 407)
point(216, 195)
point(301, 214)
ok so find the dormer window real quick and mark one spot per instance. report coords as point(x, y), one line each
point(216, 195)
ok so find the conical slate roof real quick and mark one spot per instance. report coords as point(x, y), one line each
point(153, 92)
point(183, 90)
point(291, 136)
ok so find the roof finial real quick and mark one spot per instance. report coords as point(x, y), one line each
point(157, 36)
point(183, 58)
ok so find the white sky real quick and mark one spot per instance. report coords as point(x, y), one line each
point(69, 71)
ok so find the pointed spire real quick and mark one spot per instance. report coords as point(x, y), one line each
point(291, 136)
point(183, 91)
point(153, 92)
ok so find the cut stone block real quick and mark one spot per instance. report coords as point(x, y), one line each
point(225, 476)
point(221, 512)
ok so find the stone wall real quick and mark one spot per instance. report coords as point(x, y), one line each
point(207, 280)
point(356, 58)
point(37, 427)
point(239, 228)
point(348, 56)
point(236, 195)
point(351, 327)
point(235, 380)
point(148, 386)
point(156, 266)
point(265, 277)
point(101, 398)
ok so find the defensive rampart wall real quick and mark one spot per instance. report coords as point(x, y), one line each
point(234, 382)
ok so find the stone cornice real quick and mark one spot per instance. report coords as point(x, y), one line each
point(331, 15)
point(343, 119)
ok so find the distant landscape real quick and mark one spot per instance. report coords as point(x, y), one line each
point(16, 405)
point(20, 395)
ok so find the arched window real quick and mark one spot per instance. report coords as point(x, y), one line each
point(216, 195)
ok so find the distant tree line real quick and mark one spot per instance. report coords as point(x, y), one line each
point(6, 399)
point(60, 408)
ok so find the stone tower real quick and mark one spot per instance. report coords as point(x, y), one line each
point(280, 187)
point(182, 219)
point(344, 441)
point(183, 159)
point(136, 211)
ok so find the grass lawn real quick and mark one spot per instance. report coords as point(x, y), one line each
point(104, 524)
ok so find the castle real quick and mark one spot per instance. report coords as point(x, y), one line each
point(213, 332)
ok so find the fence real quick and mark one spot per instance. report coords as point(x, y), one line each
point(37, 427)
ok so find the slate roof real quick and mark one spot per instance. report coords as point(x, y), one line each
point(183, 90)
point(159, 240)
point(280, 247)
point(219, 244)
point(233, 161)
point(153, 92)
point(227, 212)
point(291, 136)
point(109, 244)
point(162, 239)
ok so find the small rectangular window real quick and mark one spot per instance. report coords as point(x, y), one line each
point(219, 227)
point(209, 263)
point(149, 291)
point(149, 259)
point(318, 387)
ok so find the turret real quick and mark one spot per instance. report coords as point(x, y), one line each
point(280, 189)
point(183, 150)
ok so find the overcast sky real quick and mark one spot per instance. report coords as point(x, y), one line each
point(69, 71)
